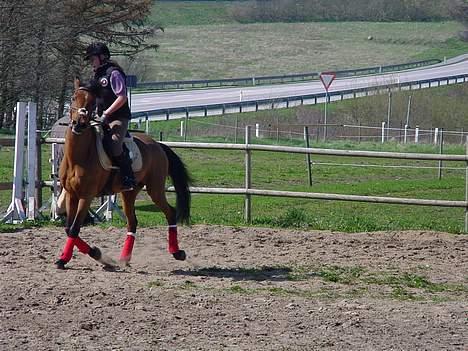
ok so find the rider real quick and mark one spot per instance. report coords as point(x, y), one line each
point(112, 106)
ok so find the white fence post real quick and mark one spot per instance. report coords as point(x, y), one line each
point(257, 130)
point(383, 132)
point(147, 124)
point(436, 134)
point(32, 161)
point(181, 128)
point(248, 177)
point(416, 135)
point(406, 134)
point(16, 210)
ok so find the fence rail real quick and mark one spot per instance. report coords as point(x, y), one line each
point(248, 191)
point(277, 79)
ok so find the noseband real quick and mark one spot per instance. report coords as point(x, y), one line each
point(76, 126)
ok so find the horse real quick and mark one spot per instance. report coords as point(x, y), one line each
point(83, 178)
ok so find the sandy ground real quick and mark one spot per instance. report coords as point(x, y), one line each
point(239, 289)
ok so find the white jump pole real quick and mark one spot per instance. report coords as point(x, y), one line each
point(16, 211)
point(55, 170)
point(32, 162)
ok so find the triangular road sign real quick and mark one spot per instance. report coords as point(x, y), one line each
point(327, 78)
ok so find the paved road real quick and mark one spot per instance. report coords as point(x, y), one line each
point(152, 101)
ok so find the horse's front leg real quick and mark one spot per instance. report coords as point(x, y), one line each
point(77, 210)
point(129, 198)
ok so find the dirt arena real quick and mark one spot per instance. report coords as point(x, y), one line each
point(239, 289)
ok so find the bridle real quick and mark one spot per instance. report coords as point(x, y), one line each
point(77, 127)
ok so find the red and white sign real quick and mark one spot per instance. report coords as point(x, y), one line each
point(327, 78)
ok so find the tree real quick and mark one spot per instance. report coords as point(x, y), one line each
point(42, 41)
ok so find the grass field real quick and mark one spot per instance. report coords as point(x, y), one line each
point(288, 172)
point(214, 47)
point(171, 13)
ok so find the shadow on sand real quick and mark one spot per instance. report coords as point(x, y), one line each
point(239, 274)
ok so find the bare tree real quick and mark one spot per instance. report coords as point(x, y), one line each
point(41, 43)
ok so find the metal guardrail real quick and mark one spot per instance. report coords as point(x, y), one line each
point(290, 101)
point(278, 79)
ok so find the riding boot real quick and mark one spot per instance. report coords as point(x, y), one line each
point(125, 164)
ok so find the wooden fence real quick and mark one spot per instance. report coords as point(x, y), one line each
point(247, 191)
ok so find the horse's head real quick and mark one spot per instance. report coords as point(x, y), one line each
point(82, 108)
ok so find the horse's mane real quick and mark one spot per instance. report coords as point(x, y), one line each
point(90, 87)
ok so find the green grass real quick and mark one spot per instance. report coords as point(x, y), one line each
point(336, 282)
point(226, 50)
point(174, 13)
point(288, 172)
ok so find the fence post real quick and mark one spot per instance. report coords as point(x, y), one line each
point(383, 132)
point(436, 134)
point(406, 134)
point(309, 167)
point(248, 177)
point(32, 161)
point(416, 135)
point(257, 130)
point(389, 113)
point(16, 210)
point(186, 123)
point(466, 186)
point(236, 126)
point(441, 150)
point(39, 169)
point(147, 123)
point(182, 133)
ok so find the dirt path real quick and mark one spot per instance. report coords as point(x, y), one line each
point(240, 289)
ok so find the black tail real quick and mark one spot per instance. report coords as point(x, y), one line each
point(181, 180)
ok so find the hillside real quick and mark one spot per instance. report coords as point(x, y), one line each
point(244, 50)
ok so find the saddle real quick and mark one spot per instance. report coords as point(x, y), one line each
point(129, 144)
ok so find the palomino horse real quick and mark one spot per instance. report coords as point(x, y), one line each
point(83, 178)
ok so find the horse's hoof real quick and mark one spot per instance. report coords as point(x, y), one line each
point(60, 264)
point(179, 255)
point(95, 253)
point(124, 262)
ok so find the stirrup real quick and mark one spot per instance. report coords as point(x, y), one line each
point(128, 184)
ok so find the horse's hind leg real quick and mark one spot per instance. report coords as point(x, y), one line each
point(129, 210)
point(158, 196)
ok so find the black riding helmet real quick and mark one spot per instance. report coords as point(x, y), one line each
point(97, 49)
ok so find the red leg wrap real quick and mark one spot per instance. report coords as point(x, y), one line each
point(172, 238)
point(127, 249)
point(82, 246)
point(67, 252)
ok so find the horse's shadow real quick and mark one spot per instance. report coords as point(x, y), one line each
point(240, 274)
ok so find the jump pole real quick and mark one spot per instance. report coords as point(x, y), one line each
point(16, 212)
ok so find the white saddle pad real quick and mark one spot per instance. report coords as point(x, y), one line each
point(106, 163)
